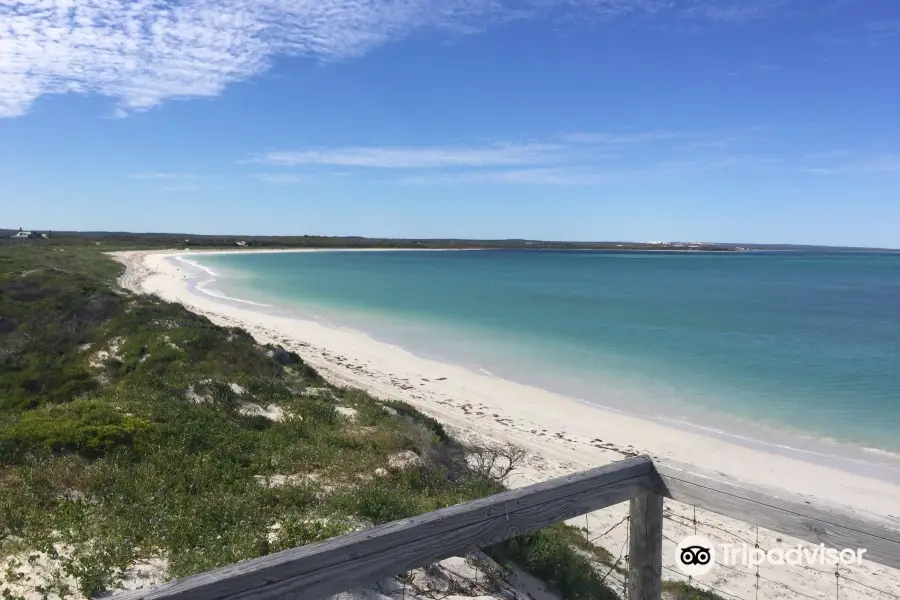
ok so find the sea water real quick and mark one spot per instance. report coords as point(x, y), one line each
point(805, 344)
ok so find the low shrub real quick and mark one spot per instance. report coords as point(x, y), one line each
point(679, 590)
point(90, 428)
point(381, 503)
point(319, 411)
point(548, 555)
point(300, 531)
point(407, 411)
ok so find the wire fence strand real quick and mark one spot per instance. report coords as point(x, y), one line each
point(869, 587)
point(845, 584)
point(610, 530)
point(734, 575)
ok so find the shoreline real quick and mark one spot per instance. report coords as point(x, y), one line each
point(819, 448)
point(159, 279)
point(189, 251)
point(844, 455)
point(563, 434)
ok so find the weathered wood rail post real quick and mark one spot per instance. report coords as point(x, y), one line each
point(645, 548)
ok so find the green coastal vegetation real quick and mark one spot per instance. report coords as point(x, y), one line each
point(134, 432)
point(186, 240)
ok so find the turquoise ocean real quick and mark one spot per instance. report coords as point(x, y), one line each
point(799, 348)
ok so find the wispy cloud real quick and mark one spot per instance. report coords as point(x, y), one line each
point(279, 178)
point(144, 52)
point(883, 30)
point(181, 188)
point(731, 11)
point(537, 176)
point(619, 138)
point(156, 175)
point(164, 181)
point(416, 158)
point(578, 158)
point(843, 162)
point(885, 163)
point(593, 145)
point(597, 175)
point(716, 162)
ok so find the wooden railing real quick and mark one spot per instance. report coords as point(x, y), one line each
point(349, 561)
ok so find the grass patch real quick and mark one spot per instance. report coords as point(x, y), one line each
point(679, 590)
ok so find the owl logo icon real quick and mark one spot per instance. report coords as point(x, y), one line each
point(695, 555)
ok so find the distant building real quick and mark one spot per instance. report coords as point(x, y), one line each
point(241, 243)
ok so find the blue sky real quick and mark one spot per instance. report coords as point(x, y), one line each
point(759, 120)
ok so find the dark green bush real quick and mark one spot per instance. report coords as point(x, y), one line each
point(679, 590)
point(87, 427)
point(46, 315)
point(255, 422)
point(382, 503)
point(7, 324)
point(414, 415)
point(272, 389)
point(318, 411)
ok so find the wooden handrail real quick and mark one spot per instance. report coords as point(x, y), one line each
point(778, 510)
point(345, 562)
point(349, 561)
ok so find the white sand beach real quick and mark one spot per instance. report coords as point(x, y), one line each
point(562, 434)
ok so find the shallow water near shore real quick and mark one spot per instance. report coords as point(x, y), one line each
point(796, 348)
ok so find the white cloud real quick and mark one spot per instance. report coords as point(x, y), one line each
point(593, 175)
point(566, 147)
point(581, 158)
point(144, 52)
point(410, 158)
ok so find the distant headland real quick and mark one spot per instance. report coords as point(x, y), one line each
point(187, 240)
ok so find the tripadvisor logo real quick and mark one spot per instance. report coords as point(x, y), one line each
point(696, 555)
